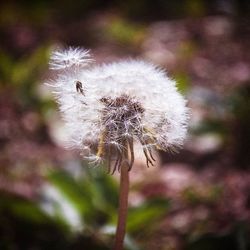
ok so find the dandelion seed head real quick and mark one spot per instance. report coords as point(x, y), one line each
point(119, 103)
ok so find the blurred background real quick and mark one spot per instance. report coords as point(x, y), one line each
point(196, 199)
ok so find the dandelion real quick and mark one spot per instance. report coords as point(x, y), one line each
point(107, 108)
point(110, 106)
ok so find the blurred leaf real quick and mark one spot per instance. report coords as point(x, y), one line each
point(81, 199)
point(94, 194)
point(209, 194)
point(23, 225)
point(125, 32)
point(24, 70)
point(143, 217)
point(22, 75)
point(24, 209)
point(211, 126)
point(105, 185)
point(28, 69)
point(5, 67)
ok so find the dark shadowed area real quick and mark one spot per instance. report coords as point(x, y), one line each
point(197, 199)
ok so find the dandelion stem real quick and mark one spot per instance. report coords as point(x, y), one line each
point(123, 202)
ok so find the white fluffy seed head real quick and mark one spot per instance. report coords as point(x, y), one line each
point(108, 104)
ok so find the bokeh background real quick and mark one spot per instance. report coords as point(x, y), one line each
point(196, 199)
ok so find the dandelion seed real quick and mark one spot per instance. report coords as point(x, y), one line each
point(107, 108)
point(63, 59)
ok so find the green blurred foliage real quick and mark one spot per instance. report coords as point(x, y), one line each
point(22, 77)
point(125, 32)
point(95, 199)
point(145, 217)
point(210, 195)
point(92, 198)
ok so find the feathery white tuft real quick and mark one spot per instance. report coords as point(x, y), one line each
point(120, 102)
point(73, 57)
